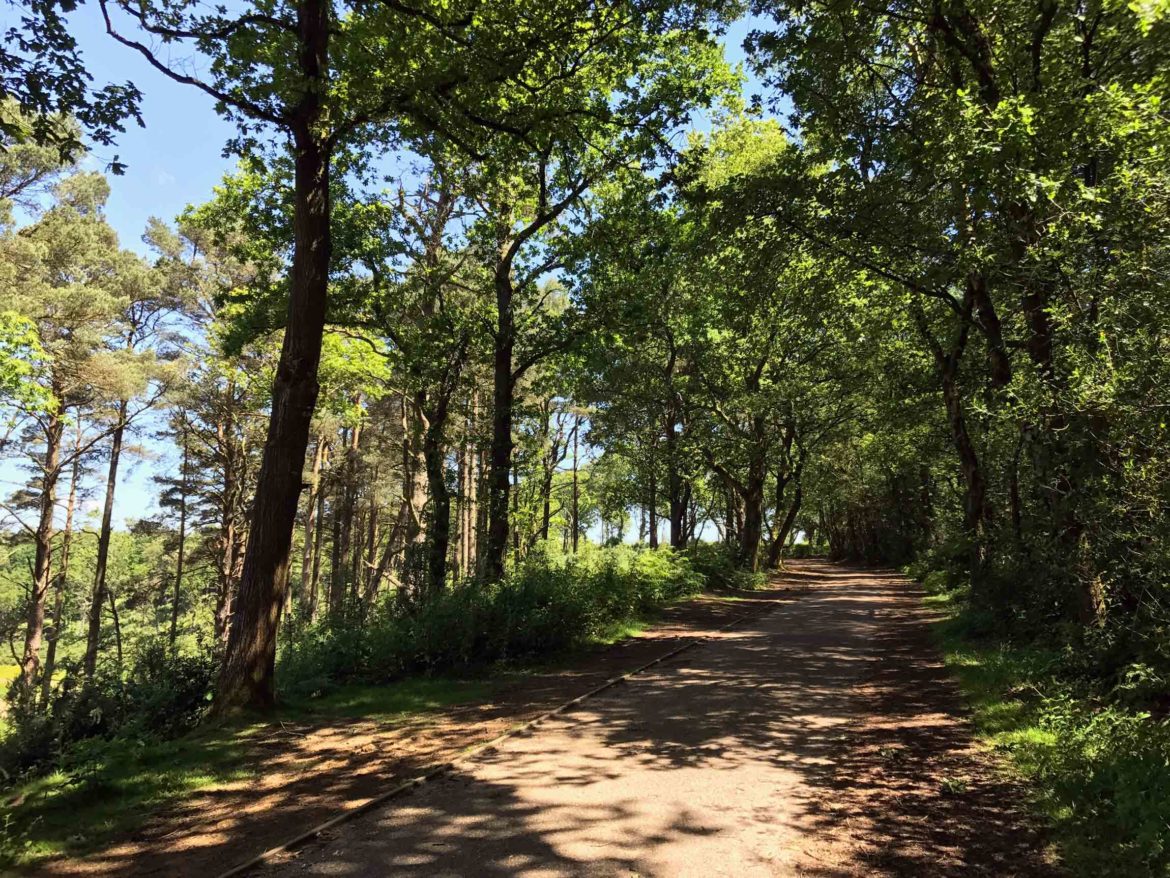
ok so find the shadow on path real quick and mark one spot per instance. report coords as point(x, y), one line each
point(822, 739)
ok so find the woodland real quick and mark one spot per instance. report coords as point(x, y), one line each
point(518, 320)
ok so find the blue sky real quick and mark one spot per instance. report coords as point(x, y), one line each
point(172, 162)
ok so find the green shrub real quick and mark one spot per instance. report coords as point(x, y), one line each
point(717, 565)
point(546, 605)
point(1097, 756)
point(162, 696)
point(1107, 776)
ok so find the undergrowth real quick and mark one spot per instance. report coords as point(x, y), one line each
point(547, 605)
point(1097, 757)
point(101, 757)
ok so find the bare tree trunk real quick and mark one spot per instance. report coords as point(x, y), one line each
point(42, 565)
point(463, 463)
point(336, 585)
point(479, 534)
point(370, 556)
point(515, 530)
point(752, 530)
point(117, 625)
point(784, 526)
point(315, 576)
point(414, 468)
point(439, 522)
point(344, 510)
point(975, 484)
point(308, 586)
point(576, 486)
point(247, 676)
point(182, 550)
point(675, 486)
point(500, 471)
point(63, 573)
point(227, 576)
point(782, 533)
point(652, 507)
point(554, 455)
point(93, 638)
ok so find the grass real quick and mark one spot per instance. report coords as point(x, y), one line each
point(113, 791)
point(1099, 770)
point(113, 786)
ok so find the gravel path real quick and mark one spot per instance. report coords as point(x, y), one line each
point(820, 739)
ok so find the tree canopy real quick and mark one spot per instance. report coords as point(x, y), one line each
point(496, 288)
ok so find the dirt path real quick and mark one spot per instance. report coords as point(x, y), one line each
point(817, 737)
point(820, 739)
point(302, 775)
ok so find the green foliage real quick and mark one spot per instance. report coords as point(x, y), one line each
point(720, 568)
point(547, 605)
point(1099, 768)
point(22, 364)
point(162, 696)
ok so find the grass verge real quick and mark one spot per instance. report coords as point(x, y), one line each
point(1098, 769)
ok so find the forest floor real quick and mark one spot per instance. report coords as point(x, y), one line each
point(820, 735)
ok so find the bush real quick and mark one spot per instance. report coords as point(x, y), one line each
point(547, 605)
point(1108, 777)
point(717, 565)
point(163, 696)
point(1092, 741)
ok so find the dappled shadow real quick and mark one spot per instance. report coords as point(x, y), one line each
point(295, 775)
point(823, 739)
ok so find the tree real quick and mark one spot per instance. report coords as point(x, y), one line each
point(971, 169)
point(440, 73)
point(65, 275)
point(140, 345)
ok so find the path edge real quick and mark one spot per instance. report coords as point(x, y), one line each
point(441, 769)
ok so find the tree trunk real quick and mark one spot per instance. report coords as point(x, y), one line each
point(464, 490)
point(349, 510)
point(652, 508)
point(576, 523)
point(370, 556)
point(93, 638)
point(247, 676)
point(776, 548)
point(315, 575)
point(62, 574)
point(471, 517)
point(336, 583)
point(117, 625)
point(752, 530)
point(227, 577)
point(676, 494)
point(500, 469)
point(439, 522)
point(975, 484)
point(344, 510)
point(182, 544)
point(308, 585)
point(515, 530)
point(785, 530)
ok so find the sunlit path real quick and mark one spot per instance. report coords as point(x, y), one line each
point(766, 751)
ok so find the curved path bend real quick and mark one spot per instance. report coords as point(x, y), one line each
point(821, 739)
